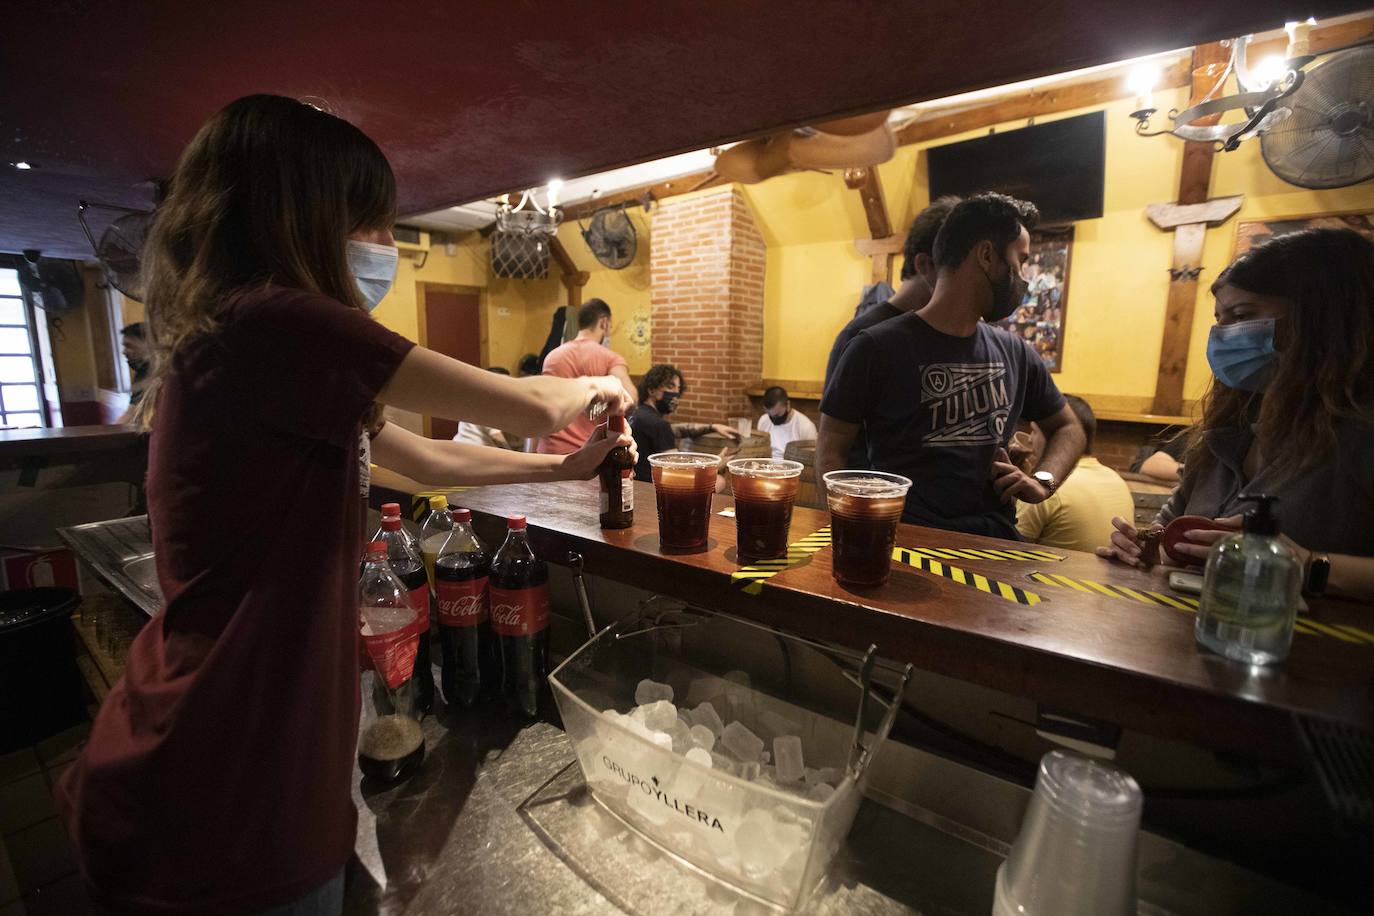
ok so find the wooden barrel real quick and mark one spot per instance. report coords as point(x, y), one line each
point(756, 445)
point(804, 451)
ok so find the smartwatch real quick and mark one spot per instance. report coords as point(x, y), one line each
point(1318, 571)
point(1046, 480)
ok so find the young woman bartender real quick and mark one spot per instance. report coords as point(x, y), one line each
point(1291, 412)
point(216, 776)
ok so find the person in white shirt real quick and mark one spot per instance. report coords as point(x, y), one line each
point(782, 423)
point(474, 434)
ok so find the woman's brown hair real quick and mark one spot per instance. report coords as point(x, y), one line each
point(266, 192)
point(1324, 373)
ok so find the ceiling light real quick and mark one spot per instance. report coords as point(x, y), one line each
point(1269, 71)
point(22, 166)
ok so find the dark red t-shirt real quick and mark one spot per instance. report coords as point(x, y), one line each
point(216, 776)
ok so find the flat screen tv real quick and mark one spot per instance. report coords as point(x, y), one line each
point(1056, 166)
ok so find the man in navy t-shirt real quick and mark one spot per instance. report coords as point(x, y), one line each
point(940, 390)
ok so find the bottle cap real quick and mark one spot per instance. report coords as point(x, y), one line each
point(391, 523)
point(391, 509)
point(438, 502)
point(1262, 519)
point(516, 522)
point(462, 515)
point(376, 549)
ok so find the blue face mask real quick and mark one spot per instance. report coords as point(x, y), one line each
point(1242, 355)
point(373, 268)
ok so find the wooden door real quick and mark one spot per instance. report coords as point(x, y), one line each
point(452, 319)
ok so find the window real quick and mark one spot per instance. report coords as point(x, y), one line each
point(20, 395)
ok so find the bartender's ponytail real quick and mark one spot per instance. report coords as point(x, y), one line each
point(267, 192)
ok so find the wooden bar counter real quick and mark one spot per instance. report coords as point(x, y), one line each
point(1096, 642)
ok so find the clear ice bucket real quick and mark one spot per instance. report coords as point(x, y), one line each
point(773, 844)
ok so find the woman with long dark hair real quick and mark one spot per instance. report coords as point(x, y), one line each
point(216, 776)
point(1291, 410)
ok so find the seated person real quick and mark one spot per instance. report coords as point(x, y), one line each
point(782, 423)
point(1077, 515)
point(1162, 458)
point(658, 396)
point(1291, 410)
point(476, 434)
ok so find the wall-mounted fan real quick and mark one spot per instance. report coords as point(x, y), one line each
point(120, 247)
point(55, 284)
point(611, 236)
point(1328, 141)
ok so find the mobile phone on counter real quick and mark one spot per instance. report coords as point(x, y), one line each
point(1188, 583)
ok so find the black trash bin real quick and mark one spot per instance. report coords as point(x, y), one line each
point(40, 685)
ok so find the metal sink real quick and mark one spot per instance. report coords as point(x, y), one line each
point(142, 574)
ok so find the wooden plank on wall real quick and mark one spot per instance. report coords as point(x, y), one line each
point(1178, 319)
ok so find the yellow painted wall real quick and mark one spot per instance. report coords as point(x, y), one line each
point(1118, 281)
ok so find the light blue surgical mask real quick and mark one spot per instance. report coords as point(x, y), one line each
point(374, 269)
point(1242, 355)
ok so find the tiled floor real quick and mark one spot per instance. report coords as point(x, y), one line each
point(37, 873)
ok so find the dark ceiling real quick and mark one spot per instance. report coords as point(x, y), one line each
point(473, 98)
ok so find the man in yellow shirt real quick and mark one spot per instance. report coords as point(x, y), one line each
point(1078, 515)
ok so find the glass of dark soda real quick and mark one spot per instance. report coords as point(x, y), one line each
point(764, 489)
point(865, 507)
point(684, 483)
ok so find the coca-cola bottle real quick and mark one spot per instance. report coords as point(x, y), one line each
point(392, 744)
point(409, 566)
point(471, 663)
point(434, 532)
point(616, 474)
point(520, 618)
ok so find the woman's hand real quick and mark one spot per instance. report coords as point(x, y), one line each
point(1124, 548)
point(607, 389)
point(1199, 541)
point(582, 464)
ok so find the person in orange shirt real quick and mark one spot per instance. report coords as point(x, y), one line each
point(584, 355)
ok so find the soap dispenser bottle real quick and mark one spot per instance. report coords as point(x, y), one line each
point(1250, 590)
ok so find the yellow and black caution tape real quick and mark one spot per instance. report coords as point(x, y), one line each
point(1189, 605)
point(964, 553)
point(750, 578)
point(919, 560)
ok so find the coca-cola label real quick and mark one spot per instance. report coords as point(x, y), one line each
point(462, 604)
point(519, 611)
point(392, 653)
point(419, 600)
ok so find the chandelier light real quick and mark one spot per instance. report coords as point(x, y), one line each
point(1261, 91)
point(528, 218)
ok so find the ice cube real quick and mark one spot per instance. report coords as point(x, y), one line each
point(824, 774)
point(700, 755)
point(736, 680)
point(741, 742)
point(821, 792)
point(750, 770)
point(702, 737)
point(705, 714)
point(682, 737)
point(723, 763)
point(755, 845)
point(773, 725)
point(660, 715)
point(787, 751)
point(650, 691)
point(662, 739)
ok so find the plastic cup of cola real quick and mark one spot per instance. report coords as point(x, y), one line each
point(765, 489)
point(1076, 852)
point(684, 483)
point(865, 507)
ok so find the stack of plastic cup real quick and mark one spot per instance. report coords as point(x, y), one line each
point(1076, 853)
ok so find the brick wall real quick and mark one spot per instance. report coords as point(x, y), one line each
point(706, 266)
